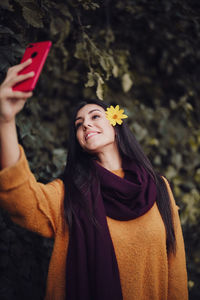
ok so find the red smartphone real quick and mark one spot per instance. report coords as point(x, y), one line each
point(38, 53)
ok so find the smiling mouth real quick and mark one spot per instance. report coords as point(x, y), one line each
point(89, 135)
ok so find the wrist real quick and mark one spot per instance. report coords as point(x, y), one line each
point(7, 128)
point(6, 123)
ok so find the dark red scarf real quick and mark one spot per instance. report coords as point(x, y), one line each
point(92, 271)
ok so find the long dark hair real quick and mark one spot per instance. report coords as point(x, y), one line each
point(79, 175)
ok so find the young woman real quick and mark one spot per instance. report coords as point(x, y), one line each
point(114, 220)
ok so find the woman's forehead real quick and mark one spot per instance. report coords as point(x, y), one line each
point(88, 108)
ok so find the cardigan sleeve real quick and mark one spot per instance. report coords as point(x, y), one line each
point(30, 204)
point(177, 280)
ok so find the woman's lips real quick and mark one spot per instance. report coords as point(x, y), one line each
point(90, 134)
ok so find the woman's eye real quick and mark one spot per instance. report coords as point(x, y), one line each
point(95, 117)
point(77, 125)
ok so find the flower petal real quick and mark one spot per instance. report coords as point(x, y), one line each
point(116, 108)
point(115, 115)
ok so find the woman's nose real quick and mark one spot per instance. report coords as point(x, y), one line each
point(86, 124)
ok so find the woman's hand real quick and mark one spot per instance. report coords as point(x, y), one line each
point(12, 102)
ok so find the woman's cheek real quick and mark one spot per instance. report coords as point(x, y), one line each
point(79, 138)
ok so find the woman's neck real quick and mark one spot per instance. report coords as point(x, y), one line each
point(110, 158)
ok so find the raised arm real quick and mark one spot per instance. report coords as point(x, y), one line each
point(30, 204)
point(11, 102)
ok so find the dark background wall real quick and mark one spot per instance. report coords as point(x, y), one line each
point(143, 55)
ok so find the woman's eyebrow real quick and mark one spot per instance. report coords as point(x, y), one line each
point(91, 111)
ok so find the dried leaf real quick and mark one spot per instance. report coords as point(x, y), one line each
point(91, 80)
point(99, 90)
point(126, 82)
point(115, 71)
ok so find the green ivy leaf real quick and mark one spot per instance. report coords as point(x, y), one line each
point(5, 4)
point(80, 51)
point(59, 26)
point(33, 16)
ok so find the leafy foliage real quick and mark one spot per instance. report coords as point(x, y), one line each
point(139, 54)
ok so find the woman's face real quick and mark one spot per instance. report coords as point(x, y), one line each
point(93, 131)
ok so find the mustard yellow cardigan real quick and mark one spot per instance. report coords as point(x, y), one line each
point(146, 271)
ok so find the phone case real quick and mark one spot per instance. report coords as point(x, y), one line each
point(38, 52)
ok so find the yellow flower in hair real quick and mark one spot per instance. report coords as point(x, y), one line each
point(115, 115)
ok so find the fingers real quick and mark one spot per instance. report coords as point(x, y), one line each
point(23, 65)
point(20, 67)
point(12, 73)
point(8, 93)
point(20, 95)
point(21, 77)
